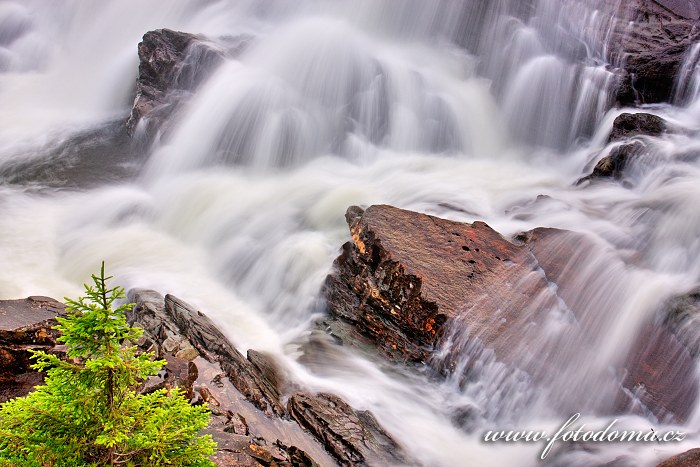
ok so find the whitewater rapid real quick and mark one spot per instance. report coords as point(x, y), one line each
point(463, 110)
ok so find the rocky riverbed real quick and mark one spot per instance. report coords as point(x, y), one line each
point(412, 290)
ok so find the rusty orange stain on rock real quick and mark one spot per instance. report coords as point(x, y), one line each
point(359, 244)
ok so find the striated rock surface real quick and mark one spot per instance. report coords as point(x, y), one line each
point(651, 39)
point(406, 274)
point(689, 9)
point(250, 424)
point(172, 64)
point(174, 323)
point(410, 283)
point(25, 325)
point(353, 437)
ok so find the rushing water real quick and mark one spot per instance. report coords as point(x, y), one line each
point(464, 109)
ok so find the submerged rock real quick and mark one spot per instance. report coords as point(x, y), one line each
point(682, 317)
point(627, 126)
point(614, 164)
point(661, 364)
point(658, 369)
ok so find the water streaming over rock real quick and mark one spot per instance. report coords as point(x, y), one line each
point(463, 109)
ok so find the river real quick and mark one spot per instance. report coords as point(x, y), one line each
point(468, 110)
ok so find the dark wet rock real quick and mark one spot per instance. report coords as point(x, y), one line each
point(223, 373)
point(652, 39)
point(84, 159)
point(268, 369)
point(687, 459)
point(170, 61)
point(407, 274)
point(245, 434)
point(614, 164)
point(627, 125)
point(227, 382)
point(352, 437)
point(25, 325)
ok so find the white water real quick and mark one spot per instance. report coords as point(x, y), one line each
point(467, 110)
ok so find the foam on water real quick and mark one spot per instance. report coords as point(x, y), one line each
point(467, 110)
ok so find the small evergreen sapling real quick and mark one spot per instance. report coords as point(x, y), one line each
point(88, 412)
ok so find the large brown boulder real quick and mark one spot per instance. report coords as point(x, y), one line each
point(411, 284)
point(407, 274)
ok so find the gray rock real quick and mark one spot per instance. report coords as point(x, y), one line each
point(352, 437)
point(209, 341)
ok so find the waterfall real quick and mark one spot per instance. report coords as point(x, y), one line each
point(465, 109)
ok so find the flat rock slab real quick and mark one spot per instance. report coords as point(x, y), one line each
point(18, 314)
point(25, 325)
